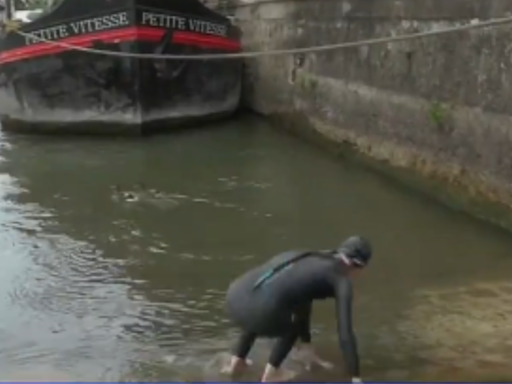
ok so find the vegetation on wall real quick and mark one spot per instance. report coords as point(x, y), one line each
point(439, 113)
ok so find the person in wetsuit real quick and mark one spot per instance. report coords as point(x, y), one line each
point(274, 300)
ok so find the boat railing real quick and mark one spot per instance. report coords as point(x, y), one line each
point(26, 11)
point(224, 7)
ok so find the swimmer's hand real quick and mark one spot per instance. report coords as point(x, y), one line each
point(235, 366)
point(356, 380)
point(307, 355)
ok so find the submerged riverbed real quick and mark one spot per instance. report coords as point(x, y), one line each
point(117, 253)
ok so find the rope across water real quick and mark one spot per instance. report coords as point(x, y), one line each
point(318, 48)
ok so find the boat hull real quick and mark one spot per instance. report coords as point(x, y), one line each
point(48, 87)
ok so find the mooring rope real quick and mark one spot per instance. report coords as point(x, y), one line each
point(312, 49)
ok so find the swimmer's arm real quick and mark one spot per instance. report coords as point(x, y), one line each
point(303, 314)
point(347, 338)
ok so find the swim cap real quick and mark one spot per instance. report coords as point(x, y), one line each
point(357, 250)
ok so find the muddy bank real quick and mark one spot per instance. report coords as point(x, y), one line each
point(436, 106)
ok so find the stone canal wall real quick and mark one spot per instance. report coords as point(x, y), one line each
point(439, 105)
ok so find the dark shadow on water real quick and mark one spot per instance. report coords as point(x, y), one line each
point(112, 131)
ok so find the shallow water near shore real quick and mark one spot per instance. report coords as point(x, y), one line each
point(117, 253)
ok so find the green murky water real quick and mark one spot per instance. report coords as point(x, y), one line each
point(97, 283)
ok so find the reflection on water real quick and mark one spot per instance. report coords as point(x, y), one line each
point(116, 255)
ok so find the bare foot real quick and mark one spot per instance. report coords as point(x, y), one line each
point(278, 375)
point(324, 363)
point(307, 356)
point(235, 366)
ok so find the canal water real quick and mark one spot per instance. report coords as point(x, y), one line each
point(116, 255)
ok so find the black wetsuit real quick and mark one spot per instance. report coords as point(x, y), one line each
point(275, 299)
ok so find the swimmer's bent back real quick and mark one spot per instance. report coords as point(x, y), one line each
point(275, 299)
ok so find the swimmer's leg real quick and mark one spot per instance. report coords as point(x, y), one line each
point(302, 317)
point(282, 347)
point(239, 355)
point(305, 351)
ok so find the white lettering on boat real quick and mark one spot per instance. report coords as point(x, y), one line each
point(121, 19)
point(80, 27)
point(183, 23)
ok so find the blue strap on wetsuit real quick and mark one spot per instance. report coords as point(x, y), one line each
point(263, 279)
point(279, 267)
